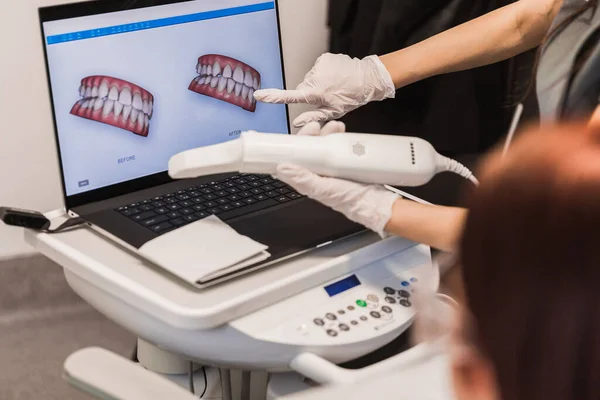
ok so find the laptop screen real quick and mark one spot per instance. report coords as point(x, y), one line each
point(132, 88)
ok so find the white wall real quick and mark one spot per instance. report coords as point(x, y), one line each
point(29, 176)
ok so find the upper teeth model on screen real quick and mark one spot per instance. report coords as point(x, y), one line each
point(226, 79)
point(115, 102)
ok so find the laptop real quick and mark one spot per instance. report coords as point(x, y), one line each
point(132, 83)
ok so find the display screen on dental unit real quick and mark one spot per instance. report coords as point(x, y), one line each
point(342, 286)
point(132, 88)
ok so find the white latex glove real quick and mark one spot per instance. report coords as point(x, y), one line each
point(368, 205)
point(337, 84)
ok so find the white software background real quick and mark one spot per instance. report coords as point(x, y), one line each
point(162, 61)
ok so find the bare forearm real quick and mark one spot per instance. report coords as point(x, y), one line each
point(436, 226)
point(494, 37)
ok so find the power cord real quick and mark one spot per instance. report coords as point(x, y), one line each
point(191, 380)
point(450, 165)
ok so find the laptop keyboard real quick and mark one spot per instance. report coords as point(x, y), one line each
point(227, 199)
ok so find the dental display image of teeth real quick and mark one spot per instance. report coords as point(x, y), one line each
point(115, 102)
point(226, 79)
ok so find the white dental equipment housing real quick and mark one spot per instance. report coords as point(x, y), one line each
point(334, 304)
point(379, 159)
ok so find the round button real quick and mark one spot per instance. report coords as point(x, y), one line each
point(405, 284)
point(351, 308)
point(386, 309)
point(332, 333)
point(389, 290)
point(405, 303)
point(319, 322)
point(344, 327)
point(354, 322)
point(361, 303)
point(404, 293)
point(373, 298)
point(363, 318)
point(331, 317)
point(375, 314)
point(341, 312)
point(390, 300)
point(372, 306)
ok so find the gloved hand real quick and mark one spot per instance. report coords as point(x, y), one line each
point(337, 84)
point(368, 205)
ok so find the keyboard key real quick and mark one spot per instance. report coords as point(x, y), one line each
point(162, 227)
point(221, 193)
point(261, 197)
point(234, 197)
point(122, 208)
point(245, 194)
point(279, 184)
point(174, 215)
point(267, 181)
point(186, 203)
point(145, 202)
point(250, 200)
point(211, 204)
point(174, 207)
point(233, 190)
point(226, 207)
point(194, 194)
point(187, 211)
point(257, 191)
point(293, 195)
point(129, 212)
point(178, 221)
point(183, 197)
point(169, 195)
point(155, 220)
point(143, 216)
point(158, 198)
point(133, 205)
point(268, 188)
point(248, 209)
point(215, 211)
point(217, 187)
point(158, 204)
point(198, 200)
point(241, 181)
point(191, 218)
point(202, 214)
point(244, 187)
point(146, 207)
point(223, 201)
point(206, 190)
point(199, 207)
point(283, 199)
point(238, 204)
point(161, 210)
point(171, 200)
point(229, 184)
point(273, 194)
point(210, 197)
point(255, 184)
point(283, 190)
point(251, 178)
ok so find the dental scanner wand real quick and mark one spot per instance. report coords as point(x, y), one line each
point(367, 158)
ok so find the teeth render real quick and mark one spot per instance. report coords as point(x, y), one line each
point(125, 97)
point(113, 94)
point(227, 72)
point(238, 75)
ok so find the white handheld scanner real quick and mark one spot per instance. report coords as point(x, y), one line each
point(367, 158)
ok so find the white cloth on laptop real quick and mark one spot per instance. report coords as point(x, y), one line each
point(204, 250)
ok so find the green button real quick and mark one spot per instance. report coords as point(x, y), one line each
point(361, 303)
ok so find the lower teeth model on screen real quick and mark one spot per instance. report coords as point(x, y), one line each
point(115, 102)
point(227, 79)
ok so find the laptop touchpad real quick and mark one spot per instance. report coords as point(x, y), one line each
point(296, 228)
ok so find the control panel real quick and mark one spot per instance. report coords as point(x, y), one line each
point(374, 300)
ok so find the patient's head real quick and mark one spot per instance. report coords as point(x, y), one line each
point(531, 268)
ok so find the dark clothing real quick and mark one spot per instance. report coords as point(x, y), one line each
point(459, 113)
